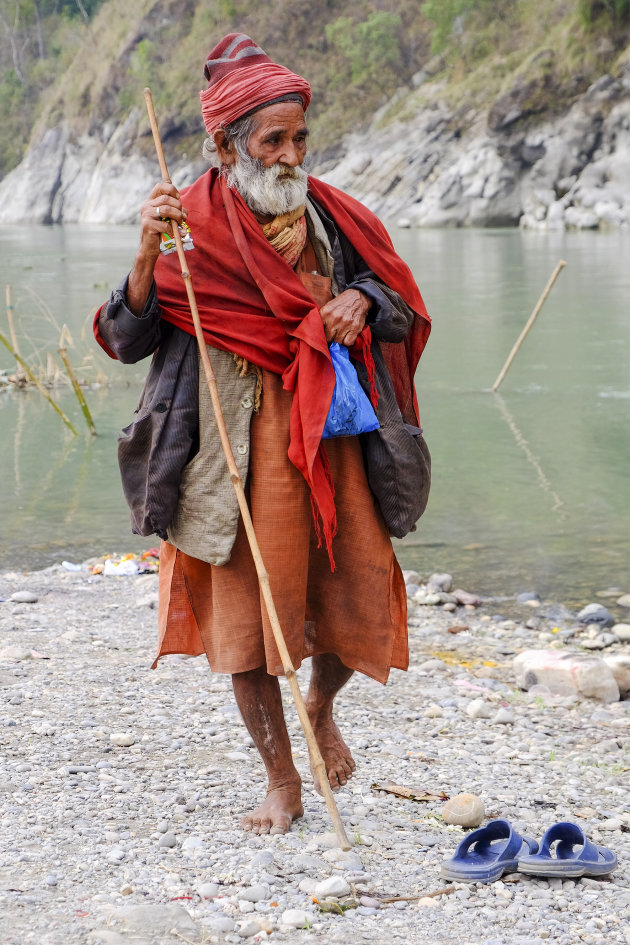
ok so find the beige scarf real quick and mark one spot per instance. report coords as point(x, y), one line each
point(287, 234)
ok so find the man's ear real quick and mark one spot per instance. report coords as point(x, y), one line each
point(225, 149)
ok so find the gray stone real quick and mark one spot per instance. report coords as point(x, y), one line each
point(440, 582)
point(503, 717)
point(254, 893)
point(596, 613)
point(466, 598)
point(168, 840)
point(24, 597)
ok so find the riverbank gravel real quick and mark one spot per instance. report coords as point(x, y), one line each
point(121, 788)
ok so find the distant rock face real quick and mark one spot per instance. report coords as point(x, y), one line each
point(64, 179)
point(495, 168)
point(489, 170)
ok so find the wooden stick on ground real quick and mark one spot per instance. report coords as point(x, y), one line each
point(532, 318)
point(39, 387)
point(237, 482)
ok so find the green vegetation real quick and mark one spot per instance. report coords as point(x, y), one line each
point(36, 42)
point(86, 62)
point(615, 11)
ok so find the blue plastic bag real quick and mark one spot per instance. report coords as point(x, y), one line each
point(350, 410)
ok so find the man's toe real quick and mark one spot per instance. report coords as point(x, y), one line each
point(282, 825)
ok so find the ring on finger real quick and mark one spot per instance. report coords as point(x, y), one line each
point(158, 214)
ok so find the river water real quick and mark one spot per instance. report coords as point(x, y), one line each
point(530, 486)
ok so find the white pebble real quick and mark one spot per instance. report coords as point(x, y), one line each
point(294, 918)
point(122, 739)
point(334, 886)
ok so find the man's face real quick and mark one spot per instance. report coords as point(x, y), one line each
point(270, 177)
point(280, 135)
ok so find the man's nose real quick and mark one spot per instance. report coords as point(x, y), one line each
point(290, 155)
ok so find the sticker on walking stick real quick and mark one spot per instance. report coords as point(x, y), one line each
point(168, 244)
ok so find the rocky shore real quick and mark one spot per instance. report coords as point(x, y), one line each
point(121, 788)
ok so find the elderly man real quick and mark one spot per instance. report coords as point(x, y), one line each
point(282, 265)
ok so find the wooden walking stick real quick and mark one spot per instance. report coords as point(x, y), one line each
point(237, 482)
point(530, 321)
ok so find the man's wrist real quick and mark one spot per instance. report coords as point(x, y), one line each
point(140, 283)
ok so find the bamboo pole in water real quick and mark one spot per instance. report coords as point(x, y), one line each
point(530, 321)
point(39, 387)
point(237, 482)
point(14, 341)
point(63, 354)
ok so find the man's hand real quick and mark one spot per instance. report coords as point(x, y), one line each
point(344, 317)
point(163, 202)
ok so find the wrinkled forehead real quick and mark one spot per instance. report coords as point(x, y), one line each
point(281, 117)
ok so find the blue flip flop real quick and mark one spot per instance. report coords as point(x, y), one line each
point(574, 856)
point(487, 853)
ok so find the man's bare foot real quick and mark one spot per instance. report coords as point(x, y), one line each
point(277, 812)
point(337, 757)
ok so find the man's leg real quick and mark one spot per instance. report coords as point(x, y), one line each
point(260, 703)
point(328, 676)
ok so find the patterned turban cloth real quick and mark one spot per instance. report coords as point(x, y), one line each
point(242, 79)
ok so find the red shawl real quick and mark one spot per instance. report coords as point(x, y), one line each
point(250, 302)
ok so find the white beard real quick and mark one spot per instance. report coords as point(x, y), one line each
point(271, 191)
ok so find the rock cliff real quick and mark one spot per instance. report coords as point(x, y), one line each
point(497, 166)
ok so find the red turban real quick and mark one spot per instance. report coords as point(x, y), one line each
point(242, 79)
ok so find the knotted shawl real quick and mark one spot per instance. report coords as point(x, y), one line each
point(253, 304)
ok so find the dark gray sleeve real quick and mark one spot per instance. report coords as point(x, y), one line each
point(390, 318)
point(131, 337)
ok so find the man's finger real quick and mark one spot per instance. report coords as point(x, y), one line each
point(165, 189)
